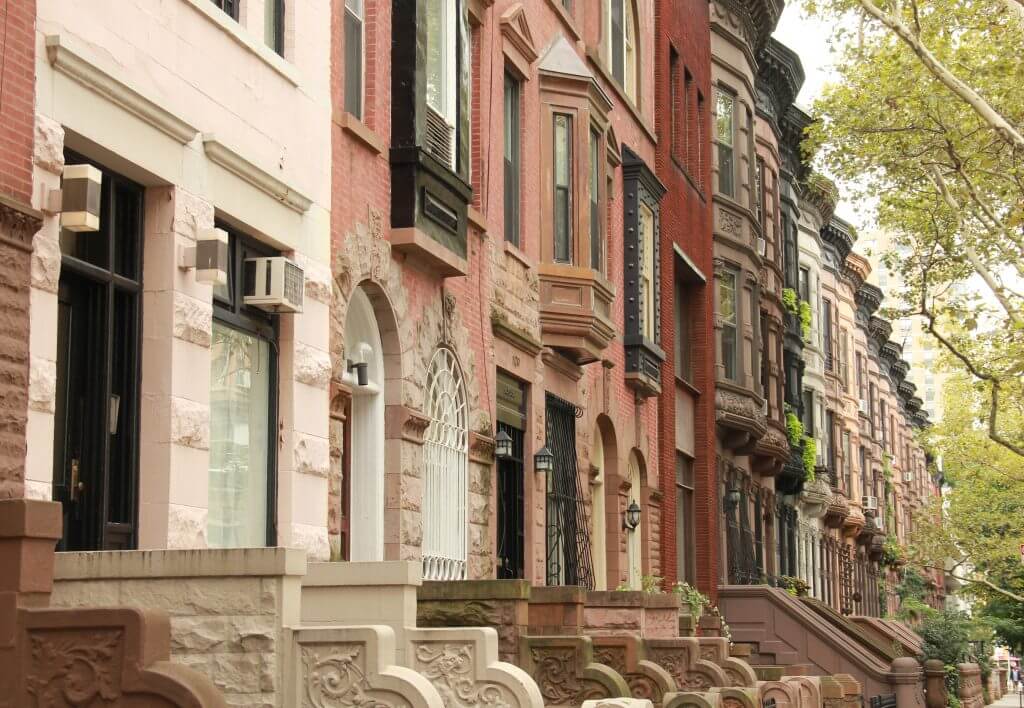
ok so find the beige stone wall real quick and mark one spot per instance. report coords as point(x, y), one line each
point(228, 609)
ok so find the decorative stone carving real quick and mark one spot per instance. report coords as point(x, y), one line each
point(681, 658)
point(18, 223)
point(450, 667)
point(334, 677)
point(75, 667)
point(730, 223)
point(565, 674)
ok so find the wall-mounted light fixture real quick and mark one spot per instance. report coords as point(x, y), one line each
point(360, 363)
point(543, 460)
point(732, 498)
point(631, 519)
point(78, 199)
point(209, 257)
point(502, 445)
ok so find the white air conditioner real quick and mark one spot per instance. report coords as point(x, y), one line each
point(869, 503)
point(273, 284)
point(764, 406)
point(864, 406)
point(908, 476)
point(762, 247)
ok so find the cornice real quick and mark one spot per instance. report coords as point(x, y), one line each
point(868, 298)
point(856, 269)
point(890, 352)
point(754, 20)
point(633, 167)
point(920, 419)
point(907, 389)
point(840, 235)
point(821, 193)
point(792, 124)
point(914, 404)
point(900, 369)
point(879, 330)
point(262, 180)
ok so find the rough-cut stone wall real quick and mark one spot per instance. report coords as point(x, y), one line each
point(18, 223)
point(228, 624)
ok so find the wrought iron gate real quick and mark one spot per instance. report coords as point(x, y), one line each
point(510, 507)
point(568, 539)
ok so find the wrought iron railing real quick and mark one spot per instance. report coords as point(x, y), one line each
point(568, 538)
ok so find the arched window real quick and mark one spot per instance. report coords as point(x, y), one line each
point(445, 471)
point(621, 31)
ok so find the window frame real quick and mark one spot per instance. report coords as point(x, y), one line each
point(360, 19)
point(512, 107)
point(228, 7)
point(685, 511)
point(623, 56)
point(729, 273)
point(275, 24)
point(234, 313)
point(726, 166)
point(568, 187)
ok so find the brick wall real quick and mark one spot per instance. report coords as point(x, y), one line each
point(683, 27)
point(17, 225)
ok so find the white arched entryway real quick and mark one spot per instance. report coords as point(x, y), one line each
point(364, 467)
point(445, 471)
point(634, 537)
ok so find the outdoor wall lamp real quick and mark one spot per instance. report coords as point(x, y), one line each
point(360, 363)
point(732, 498)
point(502, 445)
point(78, 199)
point(543, 461)
point(631, 519)
point(209, 257)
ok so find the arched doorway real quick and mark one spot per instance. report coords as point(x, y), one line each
point(445, 471)
point(363, 472)
point(598, 529)
point(634, 537)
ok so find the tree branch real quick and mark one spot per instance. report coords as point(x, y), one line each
point(946, 77)
point(979, 581)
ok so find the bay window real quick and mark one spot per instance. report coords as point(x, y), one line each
point(647, 298)
point(725, 133)
point(441, 79)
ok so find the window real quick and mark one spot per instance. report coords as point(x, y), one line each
point(804, 285)
point(680, 103)
point(826, 326)
point(562, 171)
point(844, 354)
point(729, 323)
point(765, 358)
point(759, 205)
point(647, 294)
point(865, 477)
point(596, 220)
point(847, 463)
point(445, 479)
point(698, 141)
point(273, 25)
point(243, 416)
point(513, 160)
point(808, 411)
point(685, 542)
point(354, 68)
point(442, 89)
point(831, 451)
point(622, 38)
point(683, 344)
point(230, 7)
point(871, 409)
point(725, 134)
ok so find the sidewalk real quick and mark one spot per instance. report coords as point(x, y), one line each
point(1010, 700)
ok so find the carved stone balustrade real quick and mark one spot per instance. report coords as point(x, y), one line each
point(627, 655)
point(566, 671)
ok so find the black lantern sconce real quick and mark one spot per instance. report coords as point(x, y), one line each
point(502, 445)
point(543, 461)
point(360, 363)
point(631, 519)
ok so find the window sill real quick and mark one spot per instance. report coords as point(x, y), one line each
point(476, 219)
point(594, 57)
point(566, 18)
point(690, 178)
point(361, 132)
point(236, 32)
point(683, 383)
point(516, 254)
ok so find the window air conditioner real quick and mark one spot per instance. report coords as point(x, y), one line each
point(764, 406)
point(273, 284)
point(869, 503)
point(762, 247)
point(864, 406)
point(908, 476)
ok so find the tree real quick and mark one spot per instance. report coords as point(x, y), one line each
point(977, 527)
point(926, 121)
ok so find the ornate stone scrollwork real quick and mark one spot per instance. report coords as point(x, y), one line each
point(75, 667)
point(450, 667)
point(335, 677)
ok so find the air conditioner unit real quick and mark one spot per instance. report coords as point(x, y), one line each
point(762, 247)
point(273, 284)
point(869, 503)
point(864, 406)
point(764, 406)
point(908, 476)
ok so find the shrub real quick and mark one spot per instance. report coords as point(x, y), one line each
point(692, 598)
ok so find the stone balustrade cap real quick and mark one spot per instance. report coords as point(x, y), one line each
point(193, 563)
point(474, 590)
point(362, 573)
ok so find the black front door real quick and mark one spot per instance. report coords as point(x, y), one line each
point(95, 461)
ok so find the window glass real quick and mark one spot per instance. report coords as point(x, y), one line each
point(354, 69)
point(562, 170)
point(684, 519)
point(273, 25)
point(682, 333)
point(441, 57)
point(512, 159)
point(724, 133)
point(727, 315)
point(230, 7)
point(647, 271)
point(596, 230)
point(240, 366)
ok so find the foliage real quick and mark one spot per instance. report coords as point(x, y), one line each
point(652, 584)
point(789, 299)
point(796, 587)
point(692, 598)
point(945, 635)
point(794, 428)
point(891, 553)
point(925, 125)
point(724, 630)
point(805, 320)
point(810, 454)
point(911, 586)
